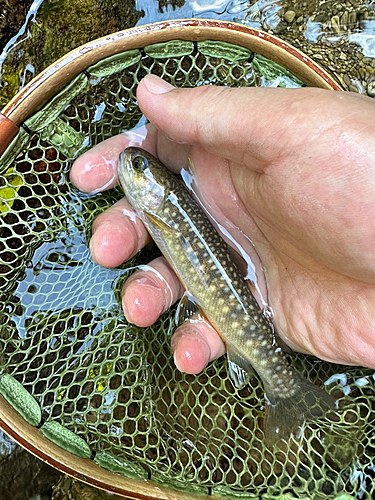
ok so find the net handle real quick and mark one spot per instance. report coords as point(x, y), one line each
point(8, 131)
point(50, 81)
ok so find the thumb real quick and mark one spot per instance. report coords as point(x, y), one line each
point(228, 122)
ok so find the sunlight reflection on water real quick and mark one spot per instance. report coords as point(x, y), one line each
point(23, 33)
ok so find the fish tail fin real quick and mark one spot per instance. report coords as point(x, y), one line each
point(284, 415)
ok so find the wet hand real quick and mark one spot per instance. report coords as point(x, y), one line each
point(293, 171)
point(117, 235)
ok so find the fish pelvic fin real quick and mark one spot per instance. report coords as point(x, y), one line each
point(240, 370)
point(284, 416)
point(186, 308)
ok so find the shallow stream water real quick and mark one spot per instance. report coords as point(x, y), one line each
point(338, 35)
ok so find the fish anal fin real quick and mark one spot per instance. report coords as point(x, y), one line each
point(186, 308)
point(240, 370)
point(159, 223)
point(285, 415)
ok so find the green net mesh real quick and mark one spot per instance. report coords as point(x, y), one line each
point(64, 338)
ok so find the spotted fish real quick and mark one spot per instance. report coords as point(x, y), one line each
point(202, 261)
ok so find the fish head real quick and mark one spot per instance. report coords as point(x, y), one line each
point(144, 180)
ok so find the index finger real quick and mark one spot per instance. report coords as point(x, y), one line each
point(96, 170)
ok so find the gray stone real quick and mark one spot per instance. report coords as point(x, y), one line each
point(289, 16)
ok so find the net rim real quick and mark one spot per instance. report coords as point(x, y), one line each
point(50, 81)
point(85, 470)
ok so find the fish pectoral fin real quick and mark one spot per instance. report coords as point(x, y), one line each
point(186, 308)
point(240, 370)
point(159, 223)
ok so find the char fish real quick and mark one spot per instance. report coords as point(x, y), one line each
point(203, 263)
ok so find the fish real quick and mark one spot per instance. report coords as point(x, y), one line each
point(215, 287)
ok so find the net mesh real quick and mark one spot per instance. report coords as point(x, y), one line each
point(63, 335)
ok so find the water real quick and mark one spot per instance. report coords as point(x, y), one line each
point(363, 37)
point(23, 33)
point(50, 29)
point(232, 10)
point(7, 446)
point(53, 280)
point(27, 53)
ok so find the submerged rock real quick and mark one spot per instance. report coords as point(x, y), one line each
point(23, 476)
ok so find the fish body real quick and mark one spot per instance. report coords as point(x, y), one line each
point(203, 263)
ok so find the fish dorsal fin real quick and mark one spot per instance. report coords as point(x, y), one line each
point(240, 370)
point(186, 308)
point(242, 267)
point(159, 222)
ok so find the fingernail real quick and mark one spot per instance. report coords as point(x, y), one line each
point(150, 286)
point(176, 362)
point(145, 281)
point(126, 311)
point(91, 247)
point(157, 85)
point(191, 352)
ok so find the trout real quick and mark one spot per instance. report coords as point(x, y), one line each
point(215, 286)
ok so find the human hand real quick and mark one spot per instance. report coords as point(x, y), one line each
point(290, 170)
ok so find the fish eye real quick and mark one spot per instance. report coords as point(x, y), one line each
point(140, 163)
